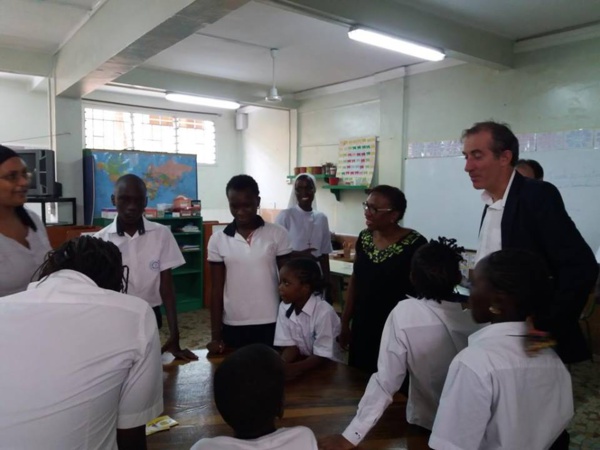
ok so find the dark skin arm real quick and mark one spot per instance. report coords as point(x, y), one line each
point(132, 438)
point(295, 365)
point(324, 263)
point(348, 313)
point(217, 277)
point(167, 294)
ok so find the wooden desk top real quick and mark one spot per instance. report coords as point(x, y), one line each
point(324, 400)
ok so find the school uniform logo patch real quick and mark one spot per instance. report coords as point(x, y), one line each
point(155, 266)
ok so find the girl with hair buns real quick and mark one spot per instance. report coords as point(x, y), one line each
point(23, 239)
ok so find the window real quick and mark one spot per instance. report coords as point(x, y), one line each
point(120, 130)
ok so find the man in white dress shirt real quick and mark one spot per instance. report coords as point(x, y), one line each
point(529, 214)
point(82, 366)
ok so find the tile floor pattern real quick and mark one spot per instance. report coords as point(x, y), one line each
point(194, 329)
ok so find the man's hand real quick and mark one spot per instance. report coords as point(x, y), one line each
point(335, 442)
point(172, 346)
point(344, 338)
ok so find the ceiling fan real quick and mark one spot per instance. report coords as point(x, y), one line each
point(273, 96)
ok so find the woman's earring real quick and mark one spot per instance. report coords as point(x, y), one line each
point(494, 310)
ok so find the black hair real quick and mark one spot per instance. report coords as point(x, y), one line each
point(502, 138)
point(522, 275)
point(435, 268)
point(99, 260)
point(308, 272)
point(394, 195)
point(6, 154)
point(538, 170)
point(242, 183)
point(131, 178)
point(248, 389)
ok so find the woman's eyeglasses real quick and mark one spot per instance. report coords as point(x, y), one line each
point(14, 177)
point(373, 210)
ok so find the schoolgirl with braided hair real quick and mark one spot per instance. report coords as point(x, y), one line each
point(421, 337)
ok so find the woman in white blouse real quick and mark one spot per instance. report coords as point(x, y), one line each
point(23, 239)
point(308, 228)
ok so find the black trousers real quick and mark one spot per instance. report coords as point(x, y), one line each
point(561, 442)
point(158, 315)
point(238, 336)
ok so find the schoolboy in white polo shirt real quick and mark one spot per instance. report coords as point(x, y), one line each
point(150, 251)
point(420, 338)
point(244, 261)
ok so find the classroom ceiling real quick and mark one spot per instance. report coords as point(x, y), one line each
point(514, 19)
point(41, 25)
point(314, 48)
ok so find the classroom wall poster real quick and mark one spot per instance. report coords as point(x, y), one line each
point(356, 160)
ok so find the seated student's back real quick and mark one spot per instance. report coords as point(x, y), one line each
point(497, 394)
point(249, 391)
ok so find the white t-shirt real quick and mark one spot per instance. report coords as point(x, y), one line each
point(420, 337)
point(17, 262)
point(250, 296)
point(313, 331)
point(79, 362)
point(296, 438)
point(307, 229)
point(147, 255)
point(498, 397)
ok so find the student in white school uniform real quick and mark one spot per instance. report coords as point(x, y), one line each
point(249, 393)
point(150, 252)
point(82, 364)
point(420, 338)
point(244, 261)
point(498, 394)
point(307, 326)
point(307, 227)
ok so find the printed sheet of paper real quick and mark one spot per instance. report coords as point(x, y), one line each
point(356, 161)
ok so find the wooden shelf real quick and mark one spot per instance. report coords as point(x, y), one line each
point(177, 272)
point(337, 188)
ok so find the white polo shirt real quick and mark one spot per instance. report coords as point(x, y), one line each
point(147, 255)
point(307, 229)
point(420, 337)
point(17, 262)
point(313, 331)
point(490, 235)
point(79, 362)
point(296, 438)
point(251, 296)
point(498, 397)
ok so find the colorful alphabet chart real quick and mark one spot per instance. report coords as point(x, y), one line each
point(356, 161)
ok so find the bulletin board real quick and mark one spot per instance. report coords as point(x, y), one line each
point(356, 160)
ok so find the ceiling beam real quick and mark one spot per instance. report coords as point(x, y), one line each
point(25, 62)
point(245, 93)
point(457, 40)
point(121, 35)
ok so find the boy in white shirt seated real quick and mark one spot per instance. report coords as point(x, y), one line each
point(498, 394)
point(82, 362)
point(306, 325)
point(150, 251)
point(249, 389)
point(420, 338)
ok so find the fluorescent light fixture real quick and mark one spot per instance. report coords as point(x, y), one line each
point(202, 101)
point(395, 44)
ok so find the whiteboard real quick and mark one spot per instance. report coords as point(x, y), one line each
point(442, 201)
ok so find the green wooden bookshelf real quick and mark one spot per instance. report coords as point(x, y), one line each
point(319, 176)
point(189, 278)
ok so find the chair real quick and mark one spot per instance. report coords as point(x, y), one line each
point(586, 314)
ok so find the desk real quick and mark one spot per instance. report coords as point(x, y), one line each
point(324, 400)
point(340, 267)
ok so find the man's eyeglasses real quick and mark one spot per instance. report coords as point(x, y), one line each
point(373, 210)
point(14, 177)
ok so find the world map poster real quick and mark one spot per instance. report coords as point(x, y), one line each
point(166, 175)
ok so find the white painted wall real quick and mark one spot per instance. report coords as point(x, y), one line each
point(266, 150)
point(23, 115)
